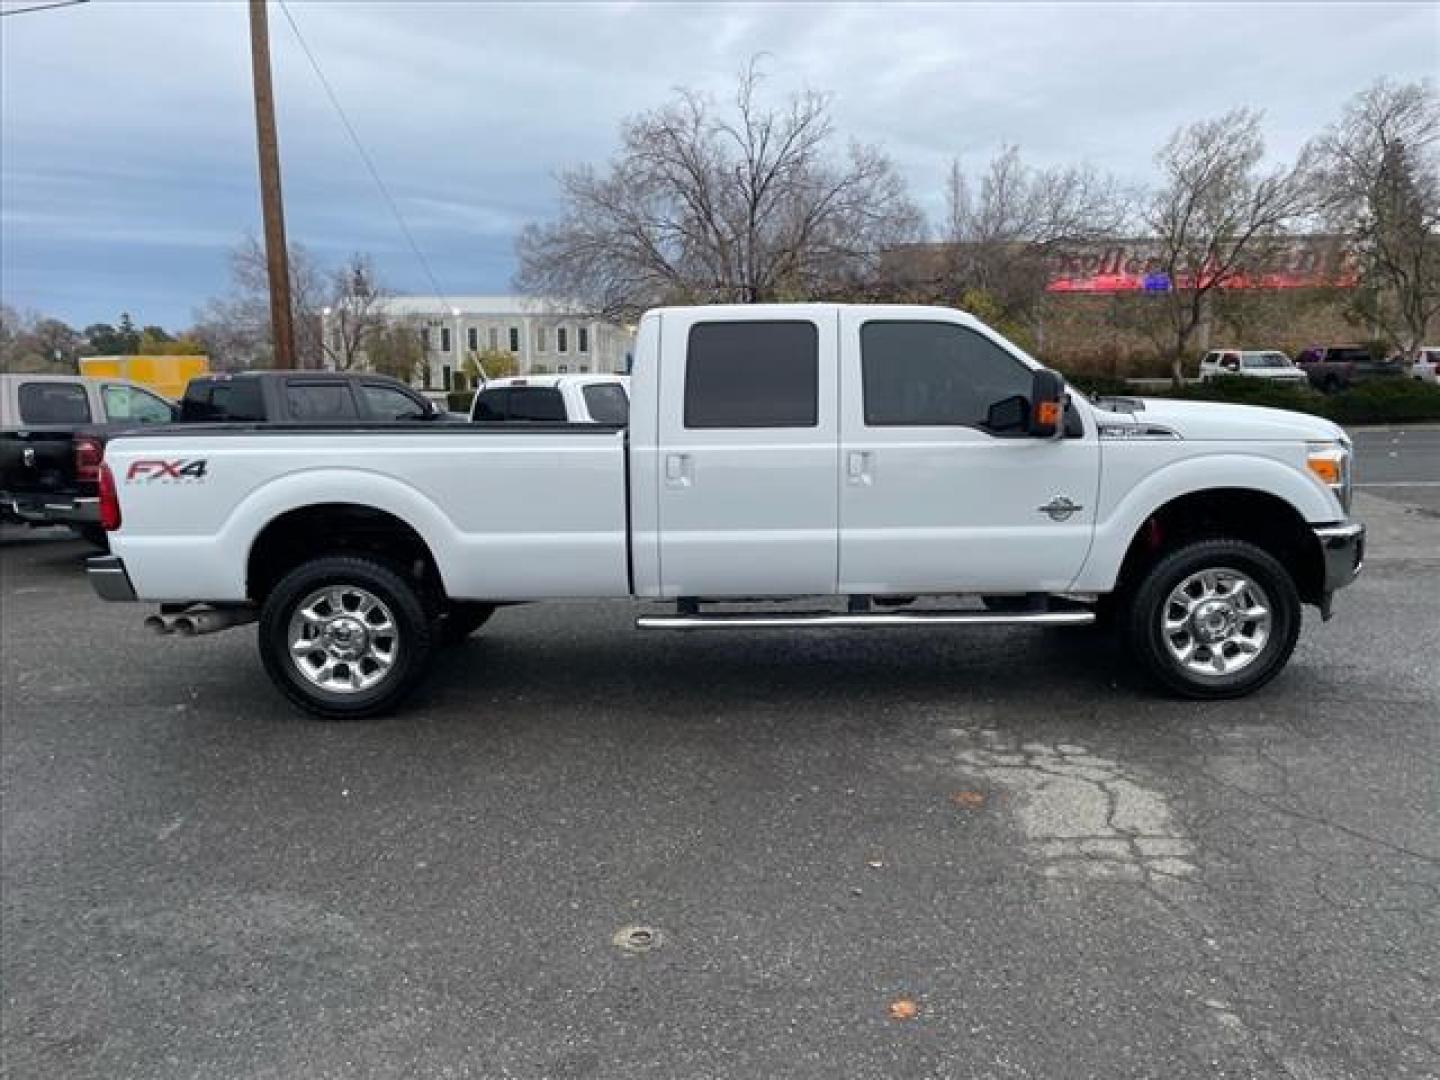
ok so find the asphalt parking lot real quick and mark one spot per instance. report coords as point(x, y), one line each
point(1065, 875)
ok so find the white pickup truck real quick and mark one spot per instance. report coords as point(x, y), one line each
point(879, 456)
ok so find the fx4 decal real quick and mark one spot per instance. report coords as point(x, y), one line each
point(180, 470)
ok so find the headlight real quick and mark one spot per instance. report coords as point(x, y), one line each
point(1330, 462)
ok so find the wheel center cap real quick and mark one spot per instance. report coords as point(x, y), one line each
point(1214, 620)
point(346, 638)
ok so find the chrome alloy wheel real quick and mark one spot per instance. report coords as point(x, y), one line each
point(343, 639)
point(1216, 622)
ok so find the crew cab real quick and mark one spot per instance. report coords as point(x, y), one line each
point(302, 397)
point(583, 399)
point(878, 457)
point(1331, 368)
point(51, 430)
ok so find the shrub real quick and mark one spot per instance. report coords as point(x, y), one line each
point(1108, 385)
point(1394, 401)
point(1242, 391)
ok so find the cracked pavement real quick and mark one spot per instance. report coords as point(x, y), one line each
point(1067, 876)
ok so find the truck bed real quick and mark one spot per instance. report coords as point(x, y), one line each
point(511, 510)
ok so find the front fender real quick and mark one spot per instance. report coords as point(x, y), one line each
point(1234, 472)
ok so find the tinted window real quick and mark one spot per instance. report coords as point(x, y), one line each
point(53, 403)
point(237, 400)
point(490, 405)
point(129, 403)
point(319, 401)
point(934, 373)
point(752, 374)
point(388, 403)
point(607, 403)
point(535, 403)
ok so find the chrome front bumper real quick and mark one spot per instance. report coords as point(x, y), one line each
point(1343, 548)
point(108, 578)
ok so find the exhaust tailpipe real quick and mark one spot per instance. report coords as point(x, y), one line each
point(160, 624)
point(193, 623)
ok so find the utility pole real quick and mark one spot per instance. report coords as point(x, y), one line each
point(282, 325)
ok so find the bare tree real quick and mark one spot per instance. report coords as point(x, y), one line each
point(1000, 234)
point(1216, 213)
point(356, 312)
point(746, 206)
point(236, 327)
point(1377, 174)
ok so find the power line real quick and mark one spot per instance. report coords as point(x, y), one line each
point(43, 7)
point(364, 156)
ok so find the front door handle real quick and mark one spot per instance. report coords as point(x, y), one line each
point(677, 470)
point(857, 467)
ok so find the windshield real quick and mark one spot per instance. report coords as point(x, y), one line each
point(1266, 360)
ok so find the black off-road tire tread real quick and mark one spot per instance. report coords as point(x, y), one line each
point(406, 604)
point(1138, 620)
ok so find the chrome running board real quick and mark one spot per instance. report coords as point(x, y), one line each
point(726, 620)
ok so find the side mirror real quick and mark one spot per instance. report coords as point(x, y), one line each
point(1009, 414)
point(1047, 404)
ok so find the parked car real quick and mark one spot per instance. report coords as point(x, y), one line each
point(585, 399)
point(1250, 363)
point(48, 469)
point(1336, 367)
point(863, 454)
point(1427, 359)
point(303, 397)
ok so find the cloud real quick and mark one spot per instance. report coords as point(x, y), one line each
point(127, 159)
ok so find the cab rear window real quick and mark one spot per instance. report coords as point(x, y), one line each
point(53, 403)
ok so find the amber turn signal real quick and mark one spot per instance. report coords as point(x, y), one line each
point(1326, 467)
point(1047, 413)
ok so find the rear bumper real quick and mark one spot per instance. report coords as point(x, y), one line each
point(52, 509)
point(1343, 547)
point(109, 578)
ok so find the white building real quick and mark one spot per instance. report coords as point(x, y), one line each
point(544, 337)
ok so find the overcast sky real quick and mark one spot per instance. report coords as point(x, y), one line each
point(128, 163)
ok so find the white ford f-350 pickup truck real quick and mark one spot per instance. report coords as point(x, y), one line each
point(880, 456)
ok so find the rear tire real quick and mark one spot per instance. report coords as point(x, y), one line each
point(369, 634)
point(1213, 619)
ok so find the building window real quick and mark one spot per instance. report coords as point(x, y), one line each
point(539, 339)
point(473, 336)
point(494, 339)
point(444, 339)
point(562, 340)
point(447, 377)
point(514, 339)
point(425, 337)
point(584, 338)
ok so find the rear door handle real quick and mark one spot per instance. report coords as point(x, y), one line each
point(677, 470)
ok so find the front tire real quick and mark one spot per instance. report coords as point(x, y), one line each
point(345, 638)
point(1214, 619)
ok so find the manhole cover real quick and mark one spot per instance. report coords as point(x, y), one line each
point(637, 939)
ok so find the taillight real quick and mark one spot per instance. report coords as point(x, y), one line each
point(109, 500)
point(88, 453)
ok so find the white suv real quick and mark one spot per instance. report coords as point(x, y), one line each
point(1260, 364)
point(1427, 358)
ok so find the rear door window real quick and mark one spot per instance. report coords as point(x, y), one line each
point(752, 375)
point(320, 402)
point(54, 403)
point(216, 402)
point(535, 403)
point(607, 403)
point(490, 405)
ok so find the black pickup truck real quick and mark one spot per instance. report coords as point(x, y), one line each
point(52, 429)
point(303, 397)
point(1331, 368)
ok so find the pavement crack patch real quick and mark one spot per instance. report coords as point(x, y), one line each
point(1082, 816)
